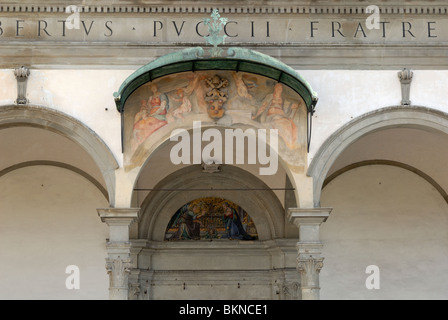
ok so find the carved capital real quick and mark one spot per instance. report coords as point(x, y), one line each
point(309, 270)
point(405, 75)
point(22, 73)
point(118, 270)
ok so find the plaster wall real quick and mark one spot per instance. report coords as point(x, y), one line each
point(49, 221)
point(391, 218)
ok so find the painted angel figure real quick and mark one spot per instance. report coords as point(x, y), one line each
point(151, 117)
point(185, 106)
point(279, 114)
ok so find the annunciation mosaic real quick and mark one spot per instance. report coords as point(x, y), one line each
point(211, 218)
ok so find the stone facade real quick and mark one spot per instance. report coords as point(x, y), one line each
point(361, 178)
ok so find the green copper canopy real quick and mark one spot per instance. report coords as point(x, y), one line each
point(237, 59)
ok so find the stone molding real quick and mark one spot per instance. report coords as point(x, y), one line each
point(234, 8)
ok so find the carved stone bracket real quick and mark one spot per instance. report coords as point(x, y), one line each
point(211, 167)
point(22, 73)
point(405, 77)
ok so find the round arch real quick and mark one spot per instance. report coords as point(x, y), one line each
point(74, 169)
point(164, 140)
point(65, 125)
point(390, 117)
point(191, 183)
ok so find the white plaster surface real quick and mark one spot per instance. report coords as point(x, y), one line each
point(391, 218)
point(47, 227)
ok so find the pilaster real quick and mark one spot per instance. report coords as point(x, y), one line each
point(309, 248)
point(119, 262)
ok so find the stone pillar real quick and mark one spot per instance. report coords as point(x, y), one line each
point(309, 247)
point(118, 262)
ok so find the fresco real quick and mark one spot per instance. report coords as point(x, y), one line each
point(211, 218)
point(226, 98)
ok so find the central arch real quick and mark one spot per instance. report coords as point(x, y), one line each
point(191, 183)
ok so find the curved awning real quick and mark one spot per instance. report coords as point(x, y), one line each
point(237, 59)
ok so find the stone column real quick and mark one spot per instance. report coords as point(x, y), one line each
point(118, 262)
point(309, 247)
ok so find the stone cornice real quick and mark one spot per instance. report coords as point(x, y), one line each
point(231, 7)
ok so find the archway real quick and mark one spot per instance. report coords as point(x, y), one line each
point(216, 267)
point(384, 176)
point(393, 117)
point(51, 186)
point(70, 128)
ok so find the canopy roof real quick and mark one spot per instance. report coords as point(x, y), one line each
point(237, 59)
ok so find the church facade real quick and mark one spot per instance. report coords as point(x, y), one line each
point(279, 150)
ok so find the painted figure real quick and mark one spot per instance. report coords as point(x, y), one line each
point(280, 114)
point(241, 87)
point(234, 228)
point(187, 220)
point(151, 117)
point(185, 106)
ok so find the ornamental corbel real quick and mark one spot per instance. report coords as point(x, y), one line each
point(22, 73)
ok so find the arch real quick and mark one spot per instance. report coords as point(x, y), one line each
point(398, 116)
point(397, 164)
point(190, 183)
point(74, 169)
point(65, 125)
point(164, 139)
